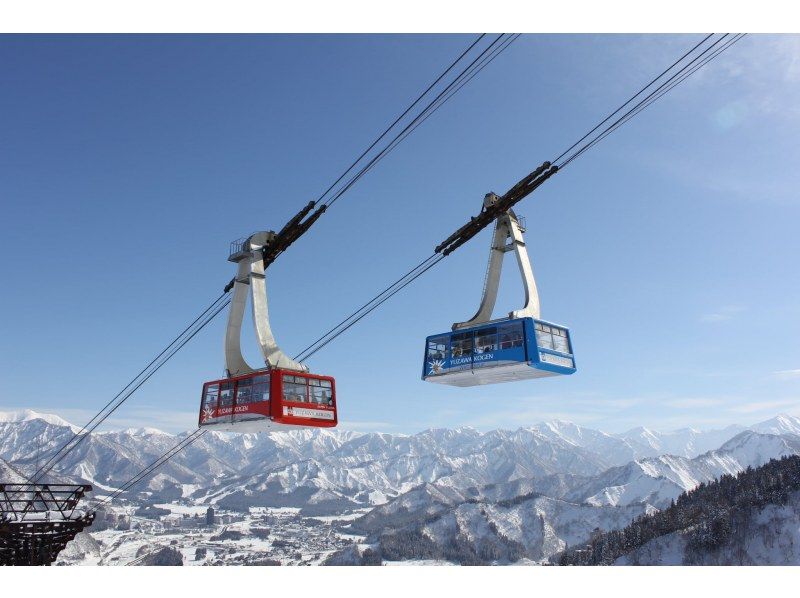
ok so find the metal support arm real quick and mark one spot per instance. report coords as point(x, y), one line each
point(251, 276)
point(507, 227)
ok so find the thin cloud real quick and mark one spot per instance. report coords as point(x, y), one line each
point(760, 75)
point(723, 314)
point(694, 402)
point(765, 406)
point(76, 417)
point(367, 426)
point(529, 417)
point(787, 374)
point(154, 418)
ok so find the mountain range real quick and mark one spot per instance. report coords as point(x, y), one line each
point(523, 493)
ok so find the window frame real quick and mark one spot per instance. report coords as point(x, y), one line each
point(515, 331)
point(260, 381)
point(208, 386)
point(291, 379)
point(476, 336)
point(232, 386)
point(438, 341)
point(457, 338)
point(553, 331)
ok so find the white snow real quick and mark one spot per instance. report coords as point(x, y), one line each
point(430, 473)
point(25, 415)
point(773, 538)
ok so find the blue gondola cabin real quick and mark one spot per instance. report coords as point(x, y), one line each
point(500, 351)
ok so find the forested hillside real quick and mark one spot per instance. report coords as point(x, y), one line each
point(712, 516)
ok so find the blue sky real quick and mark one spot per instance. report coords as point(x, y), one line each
point(127, 164)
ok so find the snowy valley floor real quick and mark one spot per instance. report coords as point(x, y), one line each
point(264, 537)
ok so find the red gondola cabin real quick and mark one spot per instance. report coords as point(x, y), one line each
point(269, 400)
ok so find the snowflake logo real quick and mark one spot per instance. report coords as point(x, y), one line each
point(437, 366)
point(208, 413)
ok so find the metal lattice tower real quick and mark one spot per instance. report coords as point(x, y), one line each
point(38, 520)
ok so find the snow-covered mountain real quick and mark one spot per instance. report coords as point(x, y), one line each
point(371, 468)
point(522, 493)
point(750, 518)
point(30, 415)
point(686, 442)
point(771, 537)
point(301, 467)
point(659, 480)
point(536, 518)
point(535, 528)
point(333, 467)
point(9, 474)
point(428, 500)
point(614, 449)
point(782, 424)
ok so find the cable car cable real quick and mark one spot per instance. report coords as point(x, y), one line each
point(408, 128)
point(629, 100)
point(478, 64)
point(297, 226)
point(375, 306)
point(658, 93)
point(672, 82)
point(135, 388)
point(186, 442)
point(137, 382)
point(94, 422)
point(529, 183)
point(525, 186)
point(310, 350)
point(399, 118)
point(46, 467)
point(495, 53)
point(410, 276)
point(430, 262)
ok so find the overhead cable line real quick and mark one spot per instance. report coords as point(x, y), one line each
point(136, 382)
point(665, 87)
point(520, 190)
point(501, 204)
point(477, 68)
point(298, 225)
point(316, 208)
point(462, 78)
point(633, 97)
point(399, 118)
point(531, 182)
point(431, 261)
point(369, 306)
point(181, 445)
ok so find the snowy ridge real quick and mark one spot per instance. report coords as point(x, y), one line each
point(782, 424)
point(772, 538)
point(657, 481)
point(535, 519)
point(687, 442)
point(10, 475)
point(336, 469)
point(26, 415)
point(462, 494)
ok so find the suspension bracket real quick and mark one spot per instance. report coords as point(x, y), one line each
point(250, 275)
point(507, 228)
